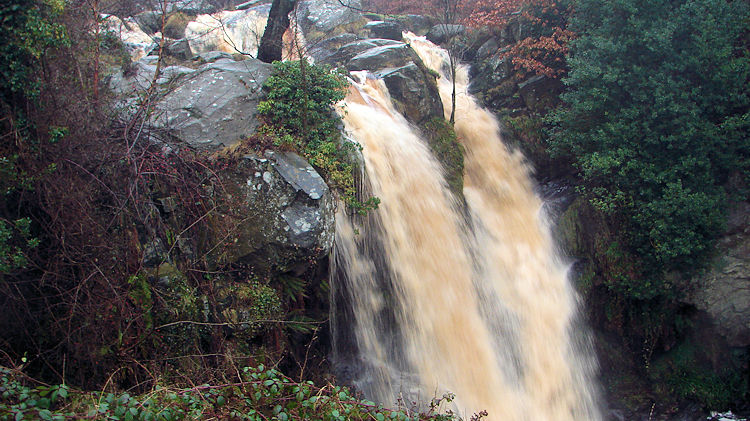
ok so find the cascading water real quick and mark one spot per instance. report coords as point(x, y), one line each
point(473, 302)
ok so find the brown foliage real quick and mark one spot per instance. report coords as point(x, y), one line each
point(542, 53)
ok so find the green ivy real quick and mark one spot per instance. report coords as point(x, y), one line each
point(298, 114)
point(26, 32)
point(14, 239)
point(260, 394)
point(448, 150)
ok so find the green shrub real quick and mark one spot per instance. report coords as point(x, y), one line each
point(298, 114)
point(14, 240)
point(27, 30)
point(654, 134)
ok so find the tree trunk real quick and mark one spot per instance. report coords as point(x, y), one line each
point(453, 64)
point(278, 21)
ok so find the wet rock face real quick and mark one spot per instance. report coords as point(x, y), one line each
point(336, 36)
point(418, 24)
point(320, 19)
point(339, 50)
point(413, 97)
point(290, 212)
point(385, 30)
point(215, 106)
point(149, 21)
point(381, 57)
point(233, 32)
point(137, 42)
point(136, 79)
point(205, 108)
point(724, 292)
point(443, 32)
point(179, 49)
point(304, 218)
point(412, 87)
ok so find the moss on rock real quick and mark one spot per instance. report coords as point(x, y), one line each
point(450, 153)
point(245, 305)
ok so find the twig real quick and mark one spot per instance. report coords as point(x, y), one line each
point(307, 352)
point(194, 322)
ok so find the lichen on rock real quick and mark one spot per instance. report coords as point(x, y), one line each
point(288, 213)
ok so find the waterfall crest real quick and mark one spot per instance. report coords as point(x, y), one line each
point(474, 301)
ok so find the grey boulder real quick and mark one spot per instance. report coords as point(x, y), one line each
point(215, 106)
point(386, 30)
point(321, 19)
point(443, 32)
point(411, 85)
point(412, 96)
point(289, 214)
point(179, 49)
point(348, 50)
point(149, 21)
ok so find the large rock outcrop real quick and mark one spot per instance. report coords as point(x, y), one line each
point(288, 211)
point(214, 106)
point(411, 85)
point(724, 292)
point(136, 42)
point(321, 19)
point(443, 32)
point(287, 208)
point(413, 92)
point(136, 80)
point(338, 50)
point(385, 29)
point(205, 108)
point(234, 32)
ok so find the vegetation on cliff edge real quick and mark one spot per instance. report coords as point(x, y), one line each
point(298, 114)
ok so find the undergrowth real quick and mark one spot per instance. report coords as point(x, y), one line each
point(108, 228)
point(258, 393)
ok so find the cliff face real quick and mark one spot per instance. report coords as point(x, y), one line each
point(724, 291)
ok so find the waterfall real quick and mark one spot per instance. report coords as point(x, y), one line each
point(441, 297)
